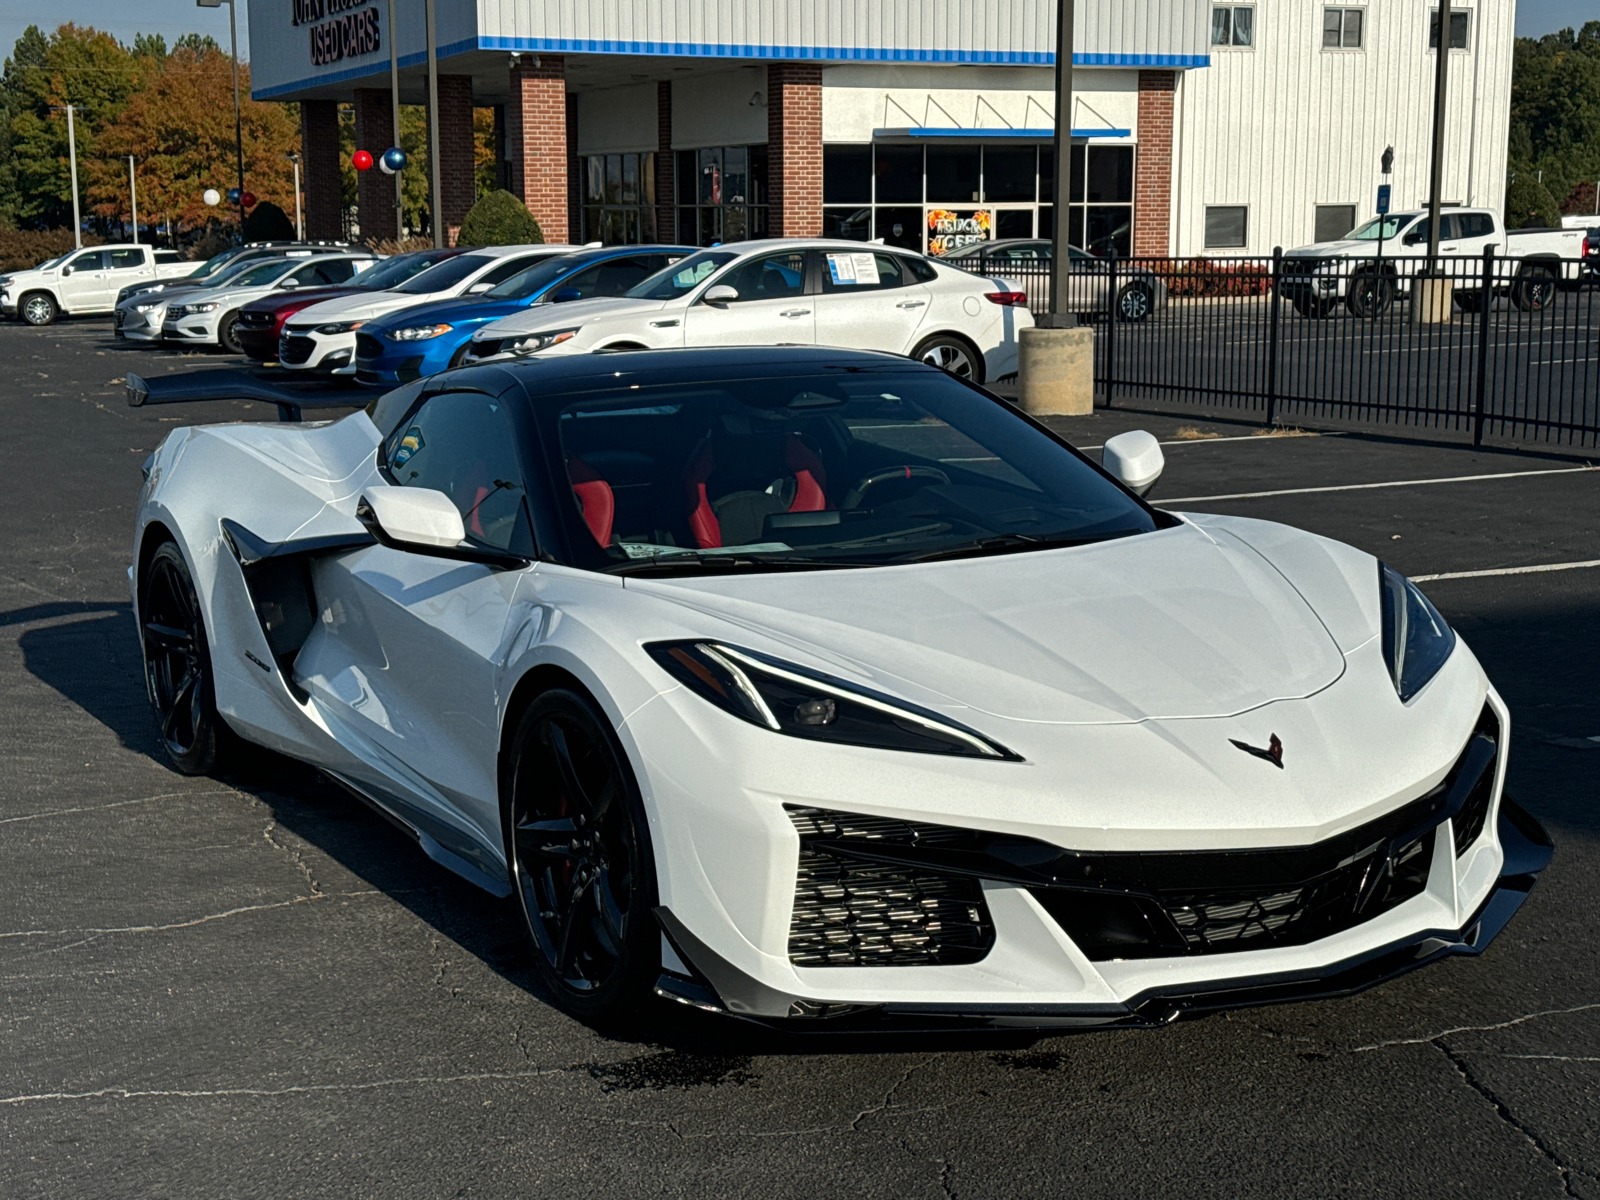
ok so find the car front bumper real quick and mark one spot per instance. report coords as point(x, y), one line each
point(308, 350)
point(192, 330)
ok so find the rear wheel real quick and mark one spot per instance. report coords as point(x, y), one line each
point(1535, 288)
point(38, 308)
point(1469, 301)
point(950, 354)
point(228, 333)
point(579, 849)
point(1134, 302)
point(177, 665)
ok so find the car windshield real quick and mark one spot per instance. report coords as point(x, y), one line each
point(1381, 227)
point(261, 274)
point(444, 275)
point(682, 277)
point(392, 272)
point(853, 467)
point(535, 279)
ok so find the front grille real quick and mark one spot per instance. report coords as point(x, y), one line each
point(295, 349)
point(485, 348)
point(254, 320)
point(853, 913)
point(368, 346)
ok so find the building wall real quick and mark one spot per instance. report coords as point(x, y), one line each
point(616, 120)
point(1285, 125)
point(715, 110)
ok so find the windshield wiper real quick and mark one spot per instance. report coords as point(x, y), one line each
point(706, 564)
point(1010, 543)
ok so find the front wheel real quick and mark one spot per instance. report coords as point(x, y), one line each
point(228, 333)
point(1134, 302)
point(950, 354)
point(1311, 307)
point(579, 850)
point(39, 308)
point(1370, 296)
point(177, 665)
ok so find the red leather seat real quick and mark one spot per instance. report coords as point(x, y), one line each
point(757, 458)
point(595, 499)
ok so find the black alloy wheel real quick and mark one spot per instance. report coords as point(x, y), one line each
point(579, 851)
point(1371, 294)
point(1534, 289)
point(177, 665)
point(1134, 302)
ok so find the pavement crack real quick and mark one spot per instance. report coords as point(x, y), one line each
point(98, 931)
point(944, 1178)
point(1510, 1118)
point(85, 808)
point(129, 1093)
point(1433, 1038)
point(294, 856)
point(888, 1097)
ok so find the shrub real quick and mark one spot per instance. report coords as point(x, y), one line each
point(387, 246)
point(1209, 277)
point(1530, 204)
point(24, 248)
point(499, 219)
point(268, 223)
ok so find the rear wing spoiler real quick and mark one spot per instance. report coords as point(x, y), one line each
point(231, 383)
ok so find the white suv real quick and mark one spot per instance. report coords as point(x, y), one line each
point(784, 292)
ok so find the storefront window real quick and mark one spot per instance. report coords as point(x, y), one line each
point(938, 198)
point(619, 198)
point(722, 194)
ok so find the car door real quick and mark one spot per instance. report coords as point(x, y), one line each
point(774, 306)
point(128, 266)
point(86, 287)
point(405, 660)
point(869, 301)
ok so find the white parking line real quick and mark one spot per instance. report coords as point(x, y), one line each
point(1571, 566)
point(1360, 487)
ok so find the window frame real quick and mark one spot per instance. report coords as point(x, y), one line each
point(1232, 43)
point(1316, 209)
point(1244, 229)
point(1344, 11)
point(1466, 31)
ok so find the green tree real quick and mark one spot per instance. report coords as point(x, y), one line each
point(1555, 110)
point(499, 219)
point(1529, 203)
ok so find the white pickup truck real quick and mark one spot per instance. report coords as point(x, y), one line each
point(1374, 265)
point(86, 281)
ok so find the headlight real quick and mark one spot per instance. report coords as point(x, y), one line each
point(536, 342)
point(341, 327)
point(147, 307)
point(192, 309)
point(791, 700)
point(1416, 639)
point(417, 333)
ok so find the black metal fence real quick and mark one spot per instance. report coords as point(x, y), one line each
point(1498, 346)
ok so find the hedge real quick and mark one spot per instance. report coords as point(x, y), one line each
point(499, 219)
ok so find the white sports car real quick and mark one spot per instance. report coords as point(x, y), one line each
point(820, 686)
point(808, 292)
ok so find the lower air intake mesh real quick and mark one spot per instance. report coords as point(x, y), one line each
point(852, 913)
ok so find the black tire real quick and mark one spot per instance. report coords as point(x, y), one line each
point(227, 337)
point(459, 355)
point(177, 666)
point(1370, 295)
point(1535, 288)
point(1134, 302)
point(586, 901)
point(951, 354)
point(1310, 307)
point(1469, 302)
point(38, 308)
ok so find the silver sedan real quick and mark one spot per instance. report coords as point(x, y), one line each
point(1138, 291)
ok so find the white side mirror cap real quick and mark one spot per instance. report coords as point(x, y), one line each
point(479, 289)
point(722, 293)
point(1135, 459)
point(413, 516)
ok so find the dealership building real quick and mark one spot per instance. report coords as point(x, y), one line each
point(1197, 127)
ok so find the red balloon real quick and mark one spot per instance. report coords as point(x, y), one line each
point(361, 160)
point(248, 199)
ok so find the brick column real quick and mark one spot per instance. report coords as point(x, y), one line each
point(536, 141)
point(666, 167)
point(457, 181)
point(1152, 190)
point(374, 189)
point(319, 151)
point(794, 149)
point(574, 184)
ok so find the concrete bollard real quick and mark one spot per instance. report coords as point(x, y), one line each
point(1432, 299)
point(1055, 372)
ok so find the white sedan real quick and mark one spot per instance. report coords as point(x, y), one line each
point(784, 292)
point(323, 337)
point(206, 316)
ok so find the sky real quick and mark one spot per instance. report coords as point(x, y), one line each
point(171, 18)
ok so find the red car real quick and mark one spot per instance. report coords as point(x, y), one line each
point(261, 321)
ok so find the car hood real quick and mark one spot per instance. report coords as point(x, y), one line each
point(1346, 248)
point(300, 297)
point(1180, 623)
point(466, 308)
point(365, 306)
point(573, 312)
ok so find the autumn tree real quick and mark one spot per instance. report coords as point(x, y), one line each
point(179, 128)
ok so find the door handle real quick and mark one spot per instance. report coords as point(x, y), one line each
point(795, 312)
point(911, 304)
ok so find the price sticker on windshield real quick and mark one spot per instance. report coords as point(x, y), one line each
point(853, 269)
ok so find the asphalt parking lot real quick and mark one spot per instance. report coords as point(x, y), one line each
point(255, 987)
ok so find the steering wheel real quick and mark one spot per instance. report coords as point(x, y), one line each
point(854, 496)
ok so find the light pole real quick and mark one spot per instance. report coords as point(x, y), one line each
point(1060, 315)
point(133, 200)
point(72, 159)
point(394, 114)
point(435, 190)
point(238, 118)
point(1432, 294)
point(299, 222)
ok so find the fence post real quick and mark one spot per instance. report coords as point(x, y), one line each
point(1272, 335)
point(1485, 303)
point(1111, 332)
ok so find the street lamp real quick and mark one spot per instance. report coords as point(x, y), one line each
point(299, 222)
point(72, 157)
point(1060, 316)
point(238, 120)
point(133, 200)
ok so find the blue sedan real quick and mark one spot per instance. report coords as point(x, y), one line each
point(430, 338)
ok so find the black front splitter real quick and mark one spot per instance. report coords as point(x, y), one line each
point(715, 985)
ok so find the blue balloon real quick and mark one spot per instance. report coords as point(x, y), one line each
point(394, 159)
point(233, 195)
